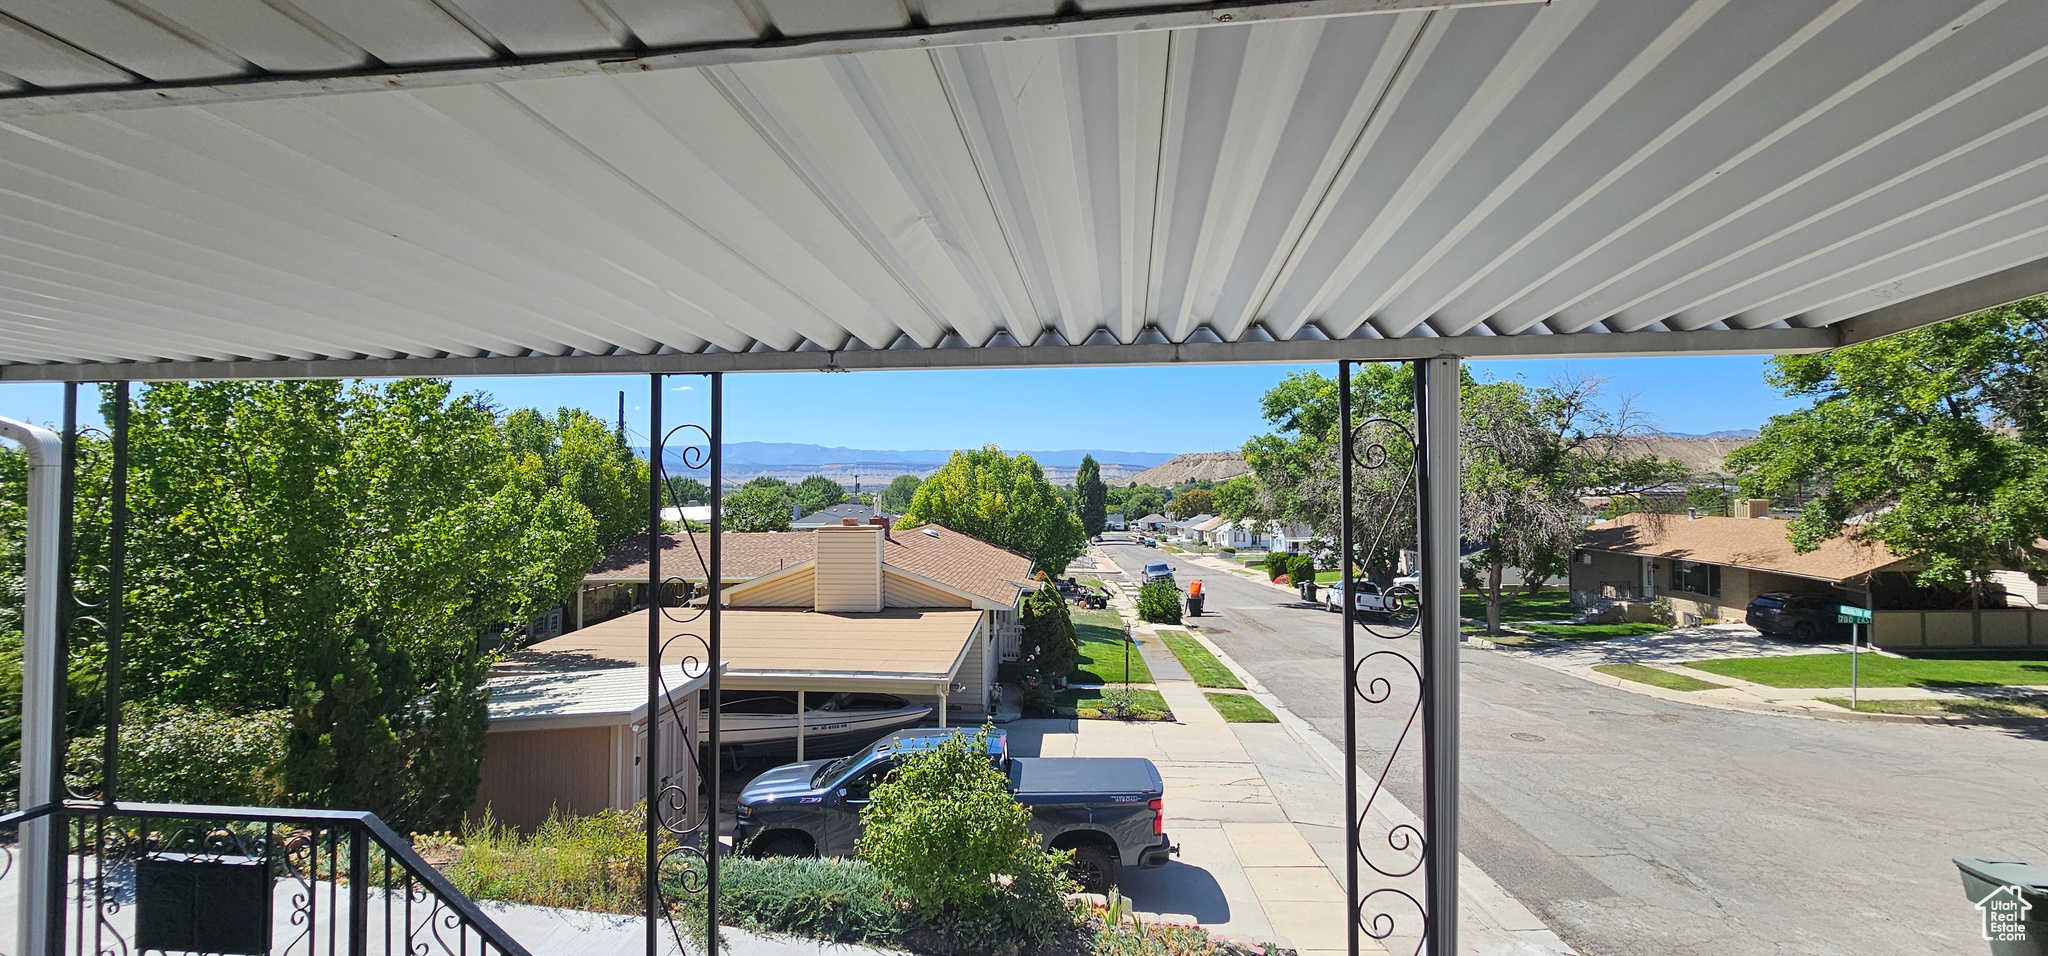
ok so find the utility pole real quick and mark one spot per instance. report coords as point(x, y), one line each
point(622, 414)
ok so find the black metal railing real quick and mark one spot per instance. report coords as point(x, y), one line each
point(149, 877)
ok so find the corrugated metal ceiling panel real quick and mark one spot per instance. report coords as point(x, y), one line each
point(1499, 173)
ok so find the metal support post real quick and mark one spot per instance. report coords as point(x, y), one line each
point(714, 580)
point(1438, 478)
point(802, 717)
point(1344, 564)
point(359, 890)
point(56, 879)
point(41, 669)
point(649, 763)
point(117, 584)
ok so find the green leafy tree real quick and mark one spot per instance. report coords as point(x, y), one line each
point(945, 830)
point(1295, 466)
point(757, 507)
point(342, 552)
point(1529, 453)
point(1003, 500)
point(681, 490)
point(1933, 442)
point(816, 493)
point(1136, 501)
point(1238, 499)
point(577, 452)
point(901, 491)
point(1091, 495)
point(1195, 501)
point(1051, 647)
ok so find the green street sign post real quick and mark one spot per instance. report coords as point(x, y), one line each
point(1855, 617)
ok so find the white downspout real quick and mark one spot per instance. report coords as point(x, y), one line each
point(39, 673)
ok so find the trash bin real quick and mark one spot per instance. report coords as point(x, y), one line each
point(1308, 591)
point(2012, 901)
point(1194, 605)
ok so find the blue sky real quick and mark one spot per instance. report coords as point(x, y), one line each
point(1174, 409)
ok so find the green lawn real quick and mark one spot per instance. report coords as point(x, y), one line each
point(1086, 703)
point(1549, 604)
point(1203, 666)
point(1876, 670)
point(1984, 707)
point(1102, 650)
point(1241, 709)
point(1655, 677)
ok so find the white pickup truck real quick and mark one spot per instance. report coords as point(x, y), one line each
point(1398, 599)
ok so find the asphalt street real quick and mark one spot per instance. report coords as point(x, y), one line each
point(1635, 825)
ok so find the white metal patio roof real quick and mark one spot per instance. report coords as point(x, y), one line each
point(224, 188)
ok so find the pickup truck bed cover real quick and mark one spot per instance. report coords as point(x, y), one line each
point(1054, 780)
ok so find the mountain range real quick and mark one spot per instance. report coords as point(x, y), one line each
point(788, 460)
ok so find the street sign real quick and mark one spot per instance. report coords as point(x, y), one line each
point(1851, 614)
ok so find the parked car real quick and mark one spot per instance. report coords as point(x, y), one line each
point(1158, 569)
point(1109, 810)
point(1802, 617)
point(1151, 542)
point(1398, 598)
point(764, 721)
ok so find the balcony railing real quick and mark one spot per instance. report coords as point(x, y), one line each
point(144, 878)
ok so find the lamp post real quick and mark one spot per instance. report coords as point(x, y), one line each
point(1127, 657)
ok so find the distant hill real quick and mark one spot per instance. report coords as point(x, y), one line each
point(875, 467)
point(1701, 453)
point(1199, 466)
point(1723, 433)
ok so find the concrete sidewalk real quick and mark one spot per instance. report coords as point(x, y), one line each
point(1258, 812)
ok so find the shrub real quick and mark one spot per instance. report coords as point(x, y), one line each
point(1051, 647)
point(1118, 703)
point(1301, 567)
point(1159, 602)
point(944, 830)
point(202, 755)
point(1277, 563)
point(845, 901)
point(584, 863)
point(1038, 698)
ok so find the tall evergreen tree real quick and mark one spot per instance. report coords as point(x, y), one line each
point(1091, 496)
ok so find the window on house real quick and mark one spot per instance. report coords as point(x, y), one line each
point(1695, 578)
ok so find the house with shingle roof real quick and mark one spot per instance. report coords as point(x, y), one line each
point(1713, 567)
point(924, 613)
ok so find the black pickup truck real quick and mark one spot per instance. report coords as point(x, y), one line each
point(1108, 810)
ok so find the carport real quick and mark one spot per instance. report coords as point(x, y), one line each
point(212, 189)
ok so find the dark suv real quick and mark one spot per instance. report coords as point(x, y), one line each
point(1802, 617)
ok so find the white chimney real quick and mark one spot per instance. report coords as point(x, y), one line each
point(848, 573)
